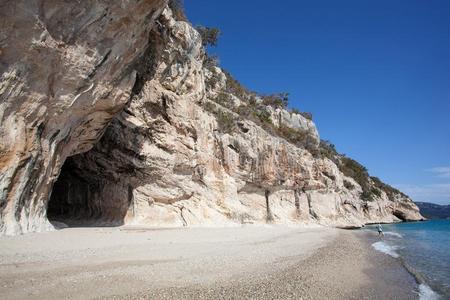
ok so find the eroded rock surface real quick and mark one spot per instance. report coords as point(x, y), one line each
point(67, 68)
point(165, 159)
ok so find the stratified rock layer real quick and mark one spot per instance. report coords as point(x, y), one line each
point(163, 160)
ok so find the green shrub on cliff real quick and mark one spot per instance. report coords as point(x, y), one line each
point(354, 169)
point(328, 150)
point(263, 116)
point(307, 115)
point(295, 111)
point(358, 172)
point(210, 35)
point(236, 88)
point(225, 100)
point(304, 114)
point(226, 122)
point(348, 185)
point(389, 190)
point(210, 61)
point(177, 7)
point(295, 136)
point(279, 100)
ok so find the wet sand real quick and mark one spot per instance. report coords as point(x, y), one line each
point(249, 262)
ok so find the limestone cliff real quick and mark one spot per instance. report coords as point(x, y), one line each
point(67, 68)
point(120, 105)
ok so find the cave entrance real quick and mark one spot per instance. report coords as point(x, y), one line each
point(399, 214)
point(83, 196)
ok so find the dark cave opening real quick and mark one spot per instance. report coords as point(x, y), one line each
point(81, 197)
point(399, 214)
point(69, 201)
point(96, 188)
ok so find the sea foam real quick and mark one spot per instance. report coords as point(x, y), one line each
point(426, 293)
point(385, 248)
point(391, 233)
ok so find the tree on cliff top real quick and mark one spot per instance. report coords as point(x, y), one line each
point(210, 35)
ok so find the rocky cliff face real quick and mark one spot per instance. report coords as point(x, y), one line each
point(150, 132)
point(67, 68)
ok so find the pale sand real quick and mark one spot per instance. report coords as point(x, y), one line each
point(271, 262)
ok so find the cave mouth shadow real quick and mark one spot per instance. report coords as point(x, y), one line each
point(82, 198)
point(96, 188)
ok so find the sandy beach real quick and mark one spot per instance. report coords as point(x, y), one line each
point(267, 262)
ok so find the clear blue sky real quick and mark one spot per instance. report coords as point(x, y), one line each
point(375, 75)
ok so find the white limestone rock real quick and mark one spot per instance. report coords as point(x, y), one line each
point(162, 160)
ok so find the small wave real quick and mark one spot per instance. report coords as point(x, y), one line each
point(391, 233)
point(386, 249)
point(426, 293)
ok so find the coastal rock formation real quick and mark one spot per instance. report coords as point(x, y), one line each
point(116, 115)
point(67, 68)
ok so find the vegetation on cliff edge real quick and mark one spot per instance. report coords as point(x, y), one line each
point(254, 109)
point(371, 186)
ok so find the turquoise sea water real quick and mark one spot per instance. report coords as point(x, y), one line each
point(424, 248)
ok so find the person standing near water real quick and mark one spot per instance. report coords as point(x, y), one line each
point(380, 230)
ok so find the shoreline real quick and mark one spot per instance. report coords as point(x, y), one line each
point(370, 238)
point(268, 262)
point(389, 247)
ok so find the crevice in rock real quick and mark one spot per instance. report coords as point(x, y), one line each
point(104, 59)
point(145, 65)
